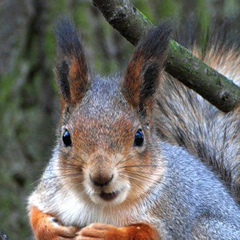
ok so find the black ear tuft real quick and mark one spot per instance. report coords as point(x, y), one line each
point(62, 70)
point(142, 76)
point(150, 77)
point(72, 70)
point(156, 42)
point(67, 38)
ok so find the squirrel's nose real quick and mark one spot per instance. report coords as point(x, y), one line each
point(101, 180)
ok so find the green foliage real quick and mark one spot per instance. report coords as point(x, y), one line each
point(169, 9)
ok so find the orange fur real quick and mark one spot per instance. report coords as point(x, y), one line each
point(46, 229)
point(78, 70)
point(140, 231)
point(133, 79)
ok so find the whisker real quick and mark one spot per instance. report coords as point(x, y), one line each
point(124, 159)
point(142, 165)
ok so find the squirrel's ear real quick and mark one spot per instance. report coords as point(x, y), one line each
point(142, 75)
point(71, 71)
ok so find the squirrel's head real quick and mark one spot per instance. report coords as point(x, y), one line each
point(106, 146)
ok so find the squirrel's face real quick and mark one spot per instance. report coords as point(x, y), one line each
point(106, 149)
point(106, 146)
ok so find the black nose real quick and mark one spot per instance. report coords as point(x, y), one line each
point(100, 180)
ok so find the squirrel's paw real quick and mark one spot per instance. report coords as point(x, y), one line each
point(98, 231)
point(47, 227)
point(61, 232)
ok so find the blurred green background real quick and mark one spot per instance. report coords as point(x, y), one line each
point(29, 106)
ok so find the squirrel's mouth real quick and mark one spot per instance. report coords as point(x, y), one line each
point(109, 196)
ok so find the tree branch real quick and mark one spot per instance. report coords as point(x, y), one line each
point(180, 63)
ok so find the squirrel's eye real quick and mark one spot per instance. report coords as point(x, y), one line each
point(67, 138)
point(139, 138)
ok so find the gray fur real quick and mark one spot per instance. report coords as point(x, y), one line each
point(192, 202)
point(207, 133)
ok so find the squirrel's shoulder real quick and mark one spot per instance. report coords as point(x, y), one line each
point(184, 169)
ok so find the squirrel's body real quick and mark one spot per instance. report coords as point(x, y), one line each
point(113, 175)
point(188, 196)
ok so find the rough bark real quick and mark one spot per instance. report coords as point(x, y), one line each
point(180, 63)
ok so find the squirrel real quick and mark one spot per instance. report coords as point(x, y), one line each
point(118, 171)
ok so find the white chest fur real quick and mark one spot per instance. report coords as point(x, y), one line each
point(75, 210)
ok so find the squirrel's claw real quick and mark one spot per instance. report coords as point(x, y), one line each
point(47, 227)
